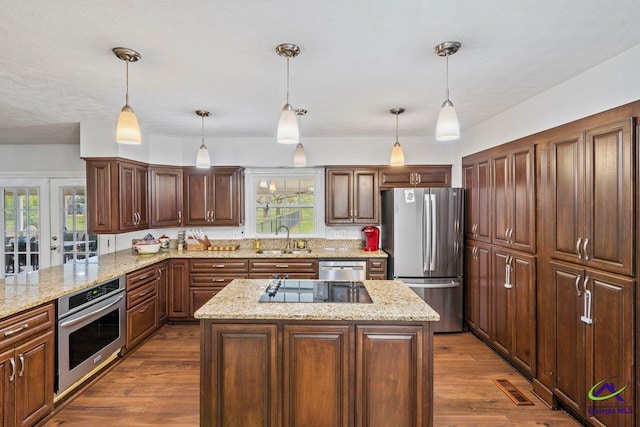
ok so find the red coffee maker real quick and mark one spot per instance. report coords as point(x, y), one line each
point(370, 238)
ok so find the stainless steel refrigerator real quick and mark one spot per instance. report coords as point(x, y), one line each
point(423, 233)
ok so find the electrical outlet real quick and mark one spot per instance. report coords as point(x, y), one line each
point(237, 234)
point(341, 234)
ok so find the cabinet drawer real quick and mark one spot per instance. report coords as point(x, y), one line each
point(283, 275)
point(284, 265)
point(26, 324)
point(375, 265)
point(141, 293)
point(199, 296)
point(219, 266)
point(141, 321)
point(141, 277)
point(208, 280)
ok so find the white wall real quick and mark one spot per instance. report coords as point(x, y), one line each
point(610, 84)
point(41, 159)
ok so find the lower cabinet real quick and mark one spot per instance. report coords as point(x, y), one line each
point(27, 366)
point(377, 269)
point(478, 288)
point(163, 291)
point(594, 351)
point(178, 289)
point(142, 304)
point(514, 304)
point(291, 268)
point(332, 374)
point(209, 276)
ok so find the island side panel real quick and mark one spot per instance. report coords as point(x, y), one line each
point(394, 376)
point(239, 378)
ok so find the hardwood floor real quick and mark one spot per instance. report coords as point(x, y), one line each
point(158, 385)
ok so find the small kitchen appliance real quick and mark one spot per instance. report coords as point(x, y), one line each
point(370, 238)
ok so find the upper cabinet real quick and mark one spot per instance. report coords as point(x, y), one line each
point(477, 179)
point(214, 196)
point(593, 197)
point(166, 196)
point(513, 197)
point(415, 176)
point(352, 196)
point(117, 195)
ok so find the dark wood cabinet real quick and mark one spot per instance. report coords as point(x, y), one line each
point(117, 195)
point(415, 176)
point(163, 291)
point(478, 300)
point(27, 366)
point(239, 375)
point(178, 289)
point(214, 196)
point(142, 304)
point(316, 380)
point(352, 196)
point(594, 336)
point(166, 196)
point(292, 268)
point(377, 269)
point(209, 276)
point(477, 178)
point(514, 316)
point(592, 184)
point(513, 197)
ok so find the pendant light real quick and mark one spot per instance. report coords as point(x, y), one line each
point(447, 127)
point(288, 132)
point(128, 129)
point(299, 156)
point(203, 160)
point(397, 156)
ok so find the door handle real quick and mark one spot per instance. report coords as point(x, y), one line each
point(21, 371)
point(12, 362)
point(586, 312)
point(577, 284)
point(578, 247)
point(507, 272)
point(584, 249)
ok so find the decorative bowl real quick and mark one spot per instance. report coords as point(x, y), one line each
point(144, 248)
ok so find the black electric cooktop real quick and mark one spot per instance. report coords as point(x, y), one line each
point(315, 291)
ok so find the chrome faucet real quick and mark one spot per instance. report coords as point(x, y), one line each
point(288, 242)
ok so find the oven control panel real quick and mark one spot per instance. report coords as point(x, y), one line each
point(74, 302)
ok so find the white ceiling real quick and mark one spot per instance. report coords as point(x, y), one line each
point(359, 59)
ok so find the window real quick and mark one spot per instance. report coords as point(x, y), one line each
point(288, 198)
point(76, 242)
point(21, 213)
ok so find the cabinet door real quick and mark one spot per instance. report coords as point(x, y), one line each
point(523, 313)
point(503, 310)
point(366, 197)
point(470, 181)
point(141, 195)
point(126, 196)
point(501, 201)
point(522, 198)
point(478, 304)
point(142, 320)
point(339, 197)
point(610, 351)
point(483, 219)
point(609, 197)
point(163, 292)
point(316, 381)
point(569, 335)
point(224, 197)
point(34, 379)
point(243, 390)
point(471, 298)
point(392, 387)
point(567, 190)
point(197, 193)
point(179, 288)
point(8, 372)
point(102, 209)
point(166, 197)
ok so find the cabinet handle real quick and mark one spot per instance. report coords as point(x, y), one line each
point(141, 294)
point(143, 310)
point(350, 213)
point(584, 249)
point(217, 280)
point(578, 286)
point(15, 331)
point(159, 274)
point(218, 265)
point(511, 236)
point(586, 313)
point(13, 370)
point(144, 276)
point(507, 272)
point(356, 213)
point(418, 177)
point(21, 371)
point(578, 248)
point(180, 216)
point(213, 216)
point(282, 265)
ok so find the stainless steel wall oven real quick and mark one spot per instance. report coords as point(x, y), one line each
point(91, 327)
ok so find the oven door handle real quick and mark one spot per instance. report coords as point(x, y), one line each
point(93, 313)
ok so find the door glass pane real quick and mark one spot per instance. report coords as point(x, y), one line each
point(77, 244)
point(21, 224)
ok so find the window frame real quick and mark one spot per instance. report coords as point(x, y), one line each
point(252, 178)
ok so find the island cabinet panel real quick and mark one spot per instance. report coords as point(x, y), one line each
point(239, 380)
point(27, 366)
point(316, 381)
point(415, 176)
point(210, 276)
point(392, 367)
point(166, 196)
point(179, 289)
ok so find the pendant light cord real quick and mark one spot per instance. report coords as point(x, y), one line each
point(447, 77)
point(202, 132)
point(288, 79)
point(127, 89)
point(397, 114)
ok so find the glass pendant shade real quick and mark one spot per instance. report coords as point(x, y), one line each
point(288, 132)
point(397, 155)
point(447, 127)
point(299, 157)
point(203, 160)
point(128, 129)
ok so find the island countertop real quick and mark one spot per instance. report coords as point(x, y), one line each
point(392, 301)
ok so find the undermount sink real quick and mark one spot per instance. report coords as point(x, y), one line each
point(281, 252)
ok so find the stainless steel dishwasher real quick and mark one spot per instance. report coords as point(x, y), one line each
point(342, 270)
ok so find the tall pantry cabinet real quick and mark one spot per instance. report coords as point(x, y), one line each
point(573, 260)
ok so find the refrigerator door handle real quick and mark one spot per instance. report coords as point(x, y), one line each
point(425, 240)
point(434, 240)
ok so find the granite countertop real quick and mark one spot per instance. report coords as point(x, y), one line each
point(392, 301)
point(28, 290)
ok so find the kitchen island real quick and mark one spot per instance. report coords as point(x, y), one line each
point(320, 364)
